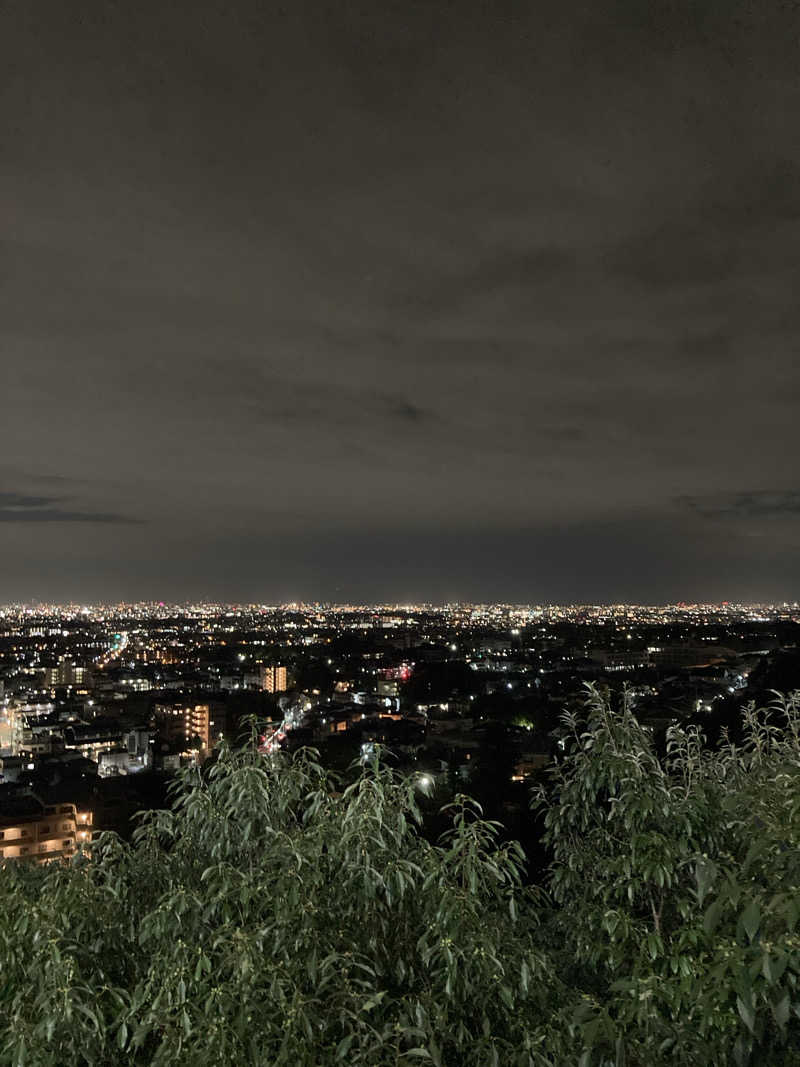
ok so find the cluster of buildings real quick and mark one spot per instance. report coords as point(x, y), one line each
point(100, 704)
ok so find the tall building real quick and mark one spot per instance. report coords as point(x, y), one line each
point(65, 673)
point(179, 724)
point(273, 679)
point(197, 722)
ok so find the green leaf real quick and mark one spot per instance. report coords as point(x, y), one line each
point(705, 873)
point(592, 1030)
point(712, 916)
point(344, 1046)
point(374, 1000)
point(773, 966)
point(751, 918)
point(747, 1013)
point(780, 1011)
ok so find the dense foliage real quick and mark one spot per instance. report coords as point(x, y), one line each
point(678, 881)
point(277, 917)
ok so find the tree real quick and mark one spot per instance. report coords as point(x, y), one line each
point(678, 885)
point(278, 916)
point(271, 918)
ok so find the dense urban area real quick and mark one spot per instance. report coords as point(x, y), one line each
point(101, 705)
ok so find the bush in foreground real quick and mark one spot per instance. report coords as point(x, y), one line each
point(678, 882)
point(272, 919)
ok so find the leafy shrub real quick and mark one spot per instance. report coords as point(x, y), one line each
point(268, 919)
point(678, 882)
point(272, 917)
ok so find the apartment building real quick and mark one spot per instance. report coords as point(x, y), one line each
point(33, 830)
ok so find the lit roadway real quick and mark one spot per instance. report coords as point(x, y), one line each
point(114, 652)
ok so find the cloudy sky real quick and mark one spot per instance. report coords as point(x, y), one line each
point(389, 299)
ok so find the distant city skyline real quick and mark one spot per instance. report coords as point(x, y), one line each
point(390, 301)
point(150, 608)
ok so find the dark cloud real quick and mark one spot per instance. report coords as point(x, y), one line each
point(278, 280)
point(516, 275)
point(17, 507)
point(309, 405)
point(766, 192)
point(759, 504)
point(675, 255)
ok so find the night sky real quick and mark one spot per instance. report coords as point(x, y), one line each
point(366, 301)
